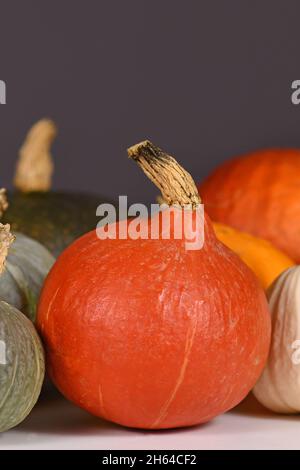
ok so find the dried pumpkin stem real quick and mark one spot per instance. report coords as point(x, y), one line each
point(3, 201)
point(6, 239)
point(160, 200)
point(176, 184)
point(35, 167)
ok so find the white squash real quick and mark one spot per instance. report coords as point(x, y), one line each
point(279, 385)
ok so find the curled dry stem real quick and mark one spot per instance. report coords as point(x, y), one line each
point(175, 183)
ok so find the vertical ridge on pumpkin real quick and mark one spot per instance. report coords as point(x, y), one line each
point(190, 337)
point(101, 400)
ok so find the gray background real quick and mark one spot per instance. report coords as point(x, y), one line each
point(203, 79)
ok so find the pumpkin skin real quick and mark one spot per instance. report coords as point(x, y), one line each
point(26, 266)
point(266, 261)
point(22, 366)
point(55, 219)
point(258, 193)
point(139, 331)
point(278, 388)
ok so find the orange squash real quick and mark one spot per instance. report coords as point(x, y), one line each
point(259, 193)
point(146, 333)
point(266, 261)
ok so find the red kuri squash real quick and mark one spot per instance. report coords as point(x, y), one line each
point(148, 334)
point(259, 193)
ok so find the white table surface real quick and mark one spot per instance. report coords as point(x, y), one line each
point(57, 424)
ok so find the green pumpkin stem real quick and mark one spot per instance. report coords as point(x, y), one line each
point(6, 239)
point(35, 166)
point(175, 183)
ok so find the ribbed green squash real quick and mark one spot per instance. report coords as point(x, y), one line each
point(27, 264)
point(22, 366)
point(53, 218)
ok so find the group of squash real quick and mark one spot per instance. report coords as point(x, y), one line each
point(43, 223)
point(144, 332)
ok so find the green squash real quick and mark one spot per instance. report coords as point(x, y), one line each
point(55, 219)
point(27, 263)
point(22, 366)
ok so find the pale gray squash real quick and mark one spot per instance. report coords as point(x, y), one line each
point(27, 263)
point(22, 366)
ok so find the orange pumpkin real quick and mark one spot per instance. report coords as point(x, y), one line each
point(266, 261)
point(146, 333)
point(259, 193)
